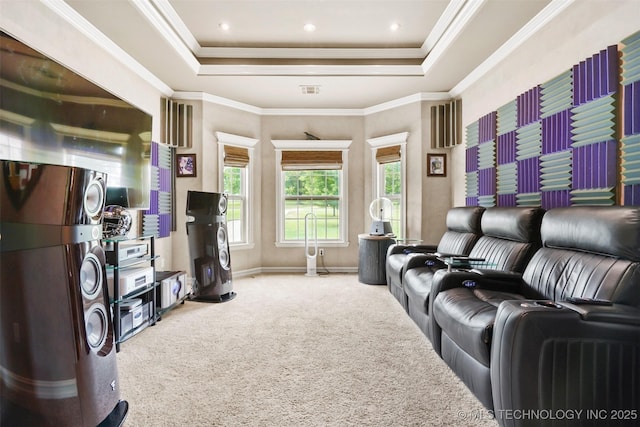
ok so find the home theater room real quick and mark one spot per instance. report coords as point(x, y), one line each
point(319, 213)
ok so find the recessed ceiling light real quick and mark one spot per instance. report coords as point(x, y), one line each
point(309, 27)
point(224, 26)
point(394, 26)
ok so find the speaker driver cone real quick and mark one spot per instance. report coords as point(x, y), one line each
point(222, 205)
point(97, 326)
point(94, 199)
point(90, 276)
point(222, 237)
point(223, 258)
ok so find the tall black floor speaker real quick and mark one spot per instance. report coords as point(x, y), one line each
point(57, 350)
point(209, 247)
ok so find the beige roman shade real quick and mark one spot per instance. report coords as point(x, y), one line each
point(308, 159)
point(388, 154)
point(236, 156)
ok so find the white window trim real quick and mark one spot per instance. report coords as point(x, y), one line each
point(313, 145)
point(249, 144)
point(388, 141)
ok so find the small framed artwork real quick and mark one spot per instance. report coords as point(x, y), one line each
point(436, 165)
point(185, 165)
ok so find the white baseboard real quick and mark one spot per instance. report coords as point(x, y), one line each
point(302, 270)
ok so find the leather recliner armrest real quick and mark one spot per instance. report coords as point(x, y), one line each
point(548, 356)
point(613, 313)
point(504, 281)
point(423, 260)
point(411, 249)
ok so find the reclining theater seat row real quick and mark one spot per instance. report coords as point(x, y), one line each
point(521, 342)
point(510, 236)
point(463, 230)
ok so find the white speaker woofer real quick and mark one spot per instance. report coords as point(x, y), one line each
point(91, 276)
point(223, 258)
point(94, 199)
point(97, 326)
point(222, 237)
point(222, 204)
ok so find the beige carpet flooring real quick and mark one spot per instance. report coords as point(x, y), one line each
point(292, 350)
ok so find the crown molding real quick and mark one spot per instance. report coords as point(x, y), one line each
point(553, 9)
point(310, 53)
point(218, 100)
point(311, 144)
point(167, 31)
point(418, 97)
point(242, 141)
point(77, 21)
point(309, 70)
point(466, 13)
point(382, 141)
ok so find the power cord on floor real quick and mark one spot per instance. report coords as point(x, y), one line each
point(326, 270)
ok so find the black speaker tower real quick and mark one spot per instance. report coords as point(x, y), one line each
point(57, 350)
point(209, 247)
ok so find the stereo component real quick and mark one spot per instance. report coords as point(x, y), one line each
point(173, 287)
point(131, 280)
point(126, 252)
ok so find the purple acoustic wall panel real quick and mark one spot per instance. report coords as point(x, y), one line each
point(471, 159)
point(471, 166)
point(157, 219)
point(529, 106)
point(596, 76)
point(507, 148)
point(529, 175)
point(556, 199)
point(594, 173)
point(487, 160)
point(487, 127)
point(556, 132)
point(631, 120)
point(507, 200)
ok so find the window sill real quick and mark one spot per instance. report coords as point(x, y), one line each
point(324, 244)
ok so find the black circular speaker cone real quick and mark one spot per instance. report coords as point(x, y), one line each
point(222, 237)
point(97, 326)
point(94, 199)
point(90, 276)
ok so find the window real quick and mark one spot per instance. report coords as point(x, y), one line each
point(316, 192)
point(235, 186)
point(389, 169)
point(312, 181)
point(390, 186)
point(236, 170)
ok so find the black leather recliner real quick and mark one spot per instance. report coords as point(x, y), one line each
point(510, 236)
point(527, 349)
point(463, 230)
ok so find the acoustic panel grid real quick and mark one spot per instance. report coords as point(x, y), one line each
point(157, 219)
point(630, 81)
point(556, 144)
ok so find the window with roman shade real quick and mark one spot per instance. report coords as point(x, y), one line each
point(236, 177)
point(389, 175)
point(311, 180)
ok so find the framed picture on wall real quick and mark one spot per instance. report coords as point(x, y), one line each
point(185, 165)
point(436, 165)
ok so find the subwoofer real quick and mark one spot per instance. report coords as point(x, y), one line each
point(57, 350)
point(209, 247)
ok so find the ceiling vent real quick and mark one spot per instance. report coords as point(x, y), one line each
point(310, 90)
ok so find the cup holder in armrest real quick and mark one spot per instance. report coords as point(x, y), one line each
point(549, 304)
